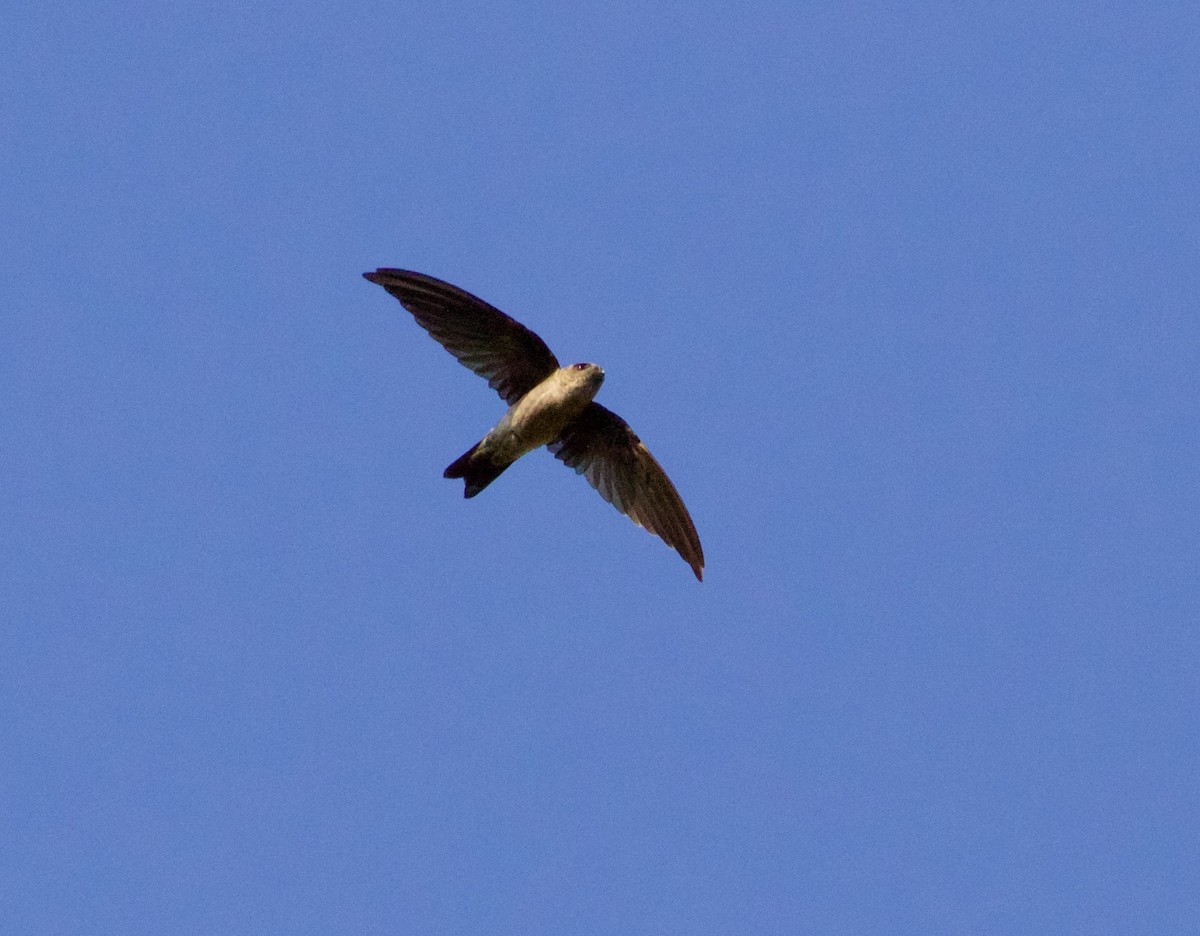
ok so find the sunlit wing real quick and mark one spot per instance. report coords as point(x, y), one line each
point(600, 446)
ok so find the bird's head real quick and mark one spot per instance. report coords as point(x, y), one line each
point(582, 380)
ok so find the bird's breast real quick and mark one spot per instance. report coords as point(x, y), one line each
point(538, 417)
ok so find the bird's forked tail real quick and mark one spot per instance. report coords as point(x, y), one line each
point(476, 468)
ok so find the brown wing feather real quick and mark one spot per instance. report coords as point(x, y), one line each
point(600, 446)
point(498, 348)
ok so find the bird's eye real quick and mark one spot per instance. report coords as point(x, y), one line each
point(580, 367)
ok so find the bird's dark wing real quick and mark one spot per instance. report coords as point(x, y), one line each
point(600, 446)
point(512, 358)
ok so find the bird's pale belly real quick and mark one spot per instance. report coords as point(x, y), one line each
point(536, 419)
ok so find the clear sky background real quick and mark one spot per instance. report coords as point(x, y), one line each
point(904, 298)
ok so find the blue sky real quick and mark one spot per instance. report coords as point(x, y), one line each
point(902, 296)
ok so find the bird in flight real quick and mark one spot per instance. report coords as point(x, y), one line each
point(548, 405)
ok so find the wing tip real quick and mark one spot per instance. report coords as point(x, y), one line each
point(382, 275)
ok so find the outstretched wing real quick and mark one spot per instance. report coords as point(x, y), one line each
point(498, 348)
point(600, 446)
